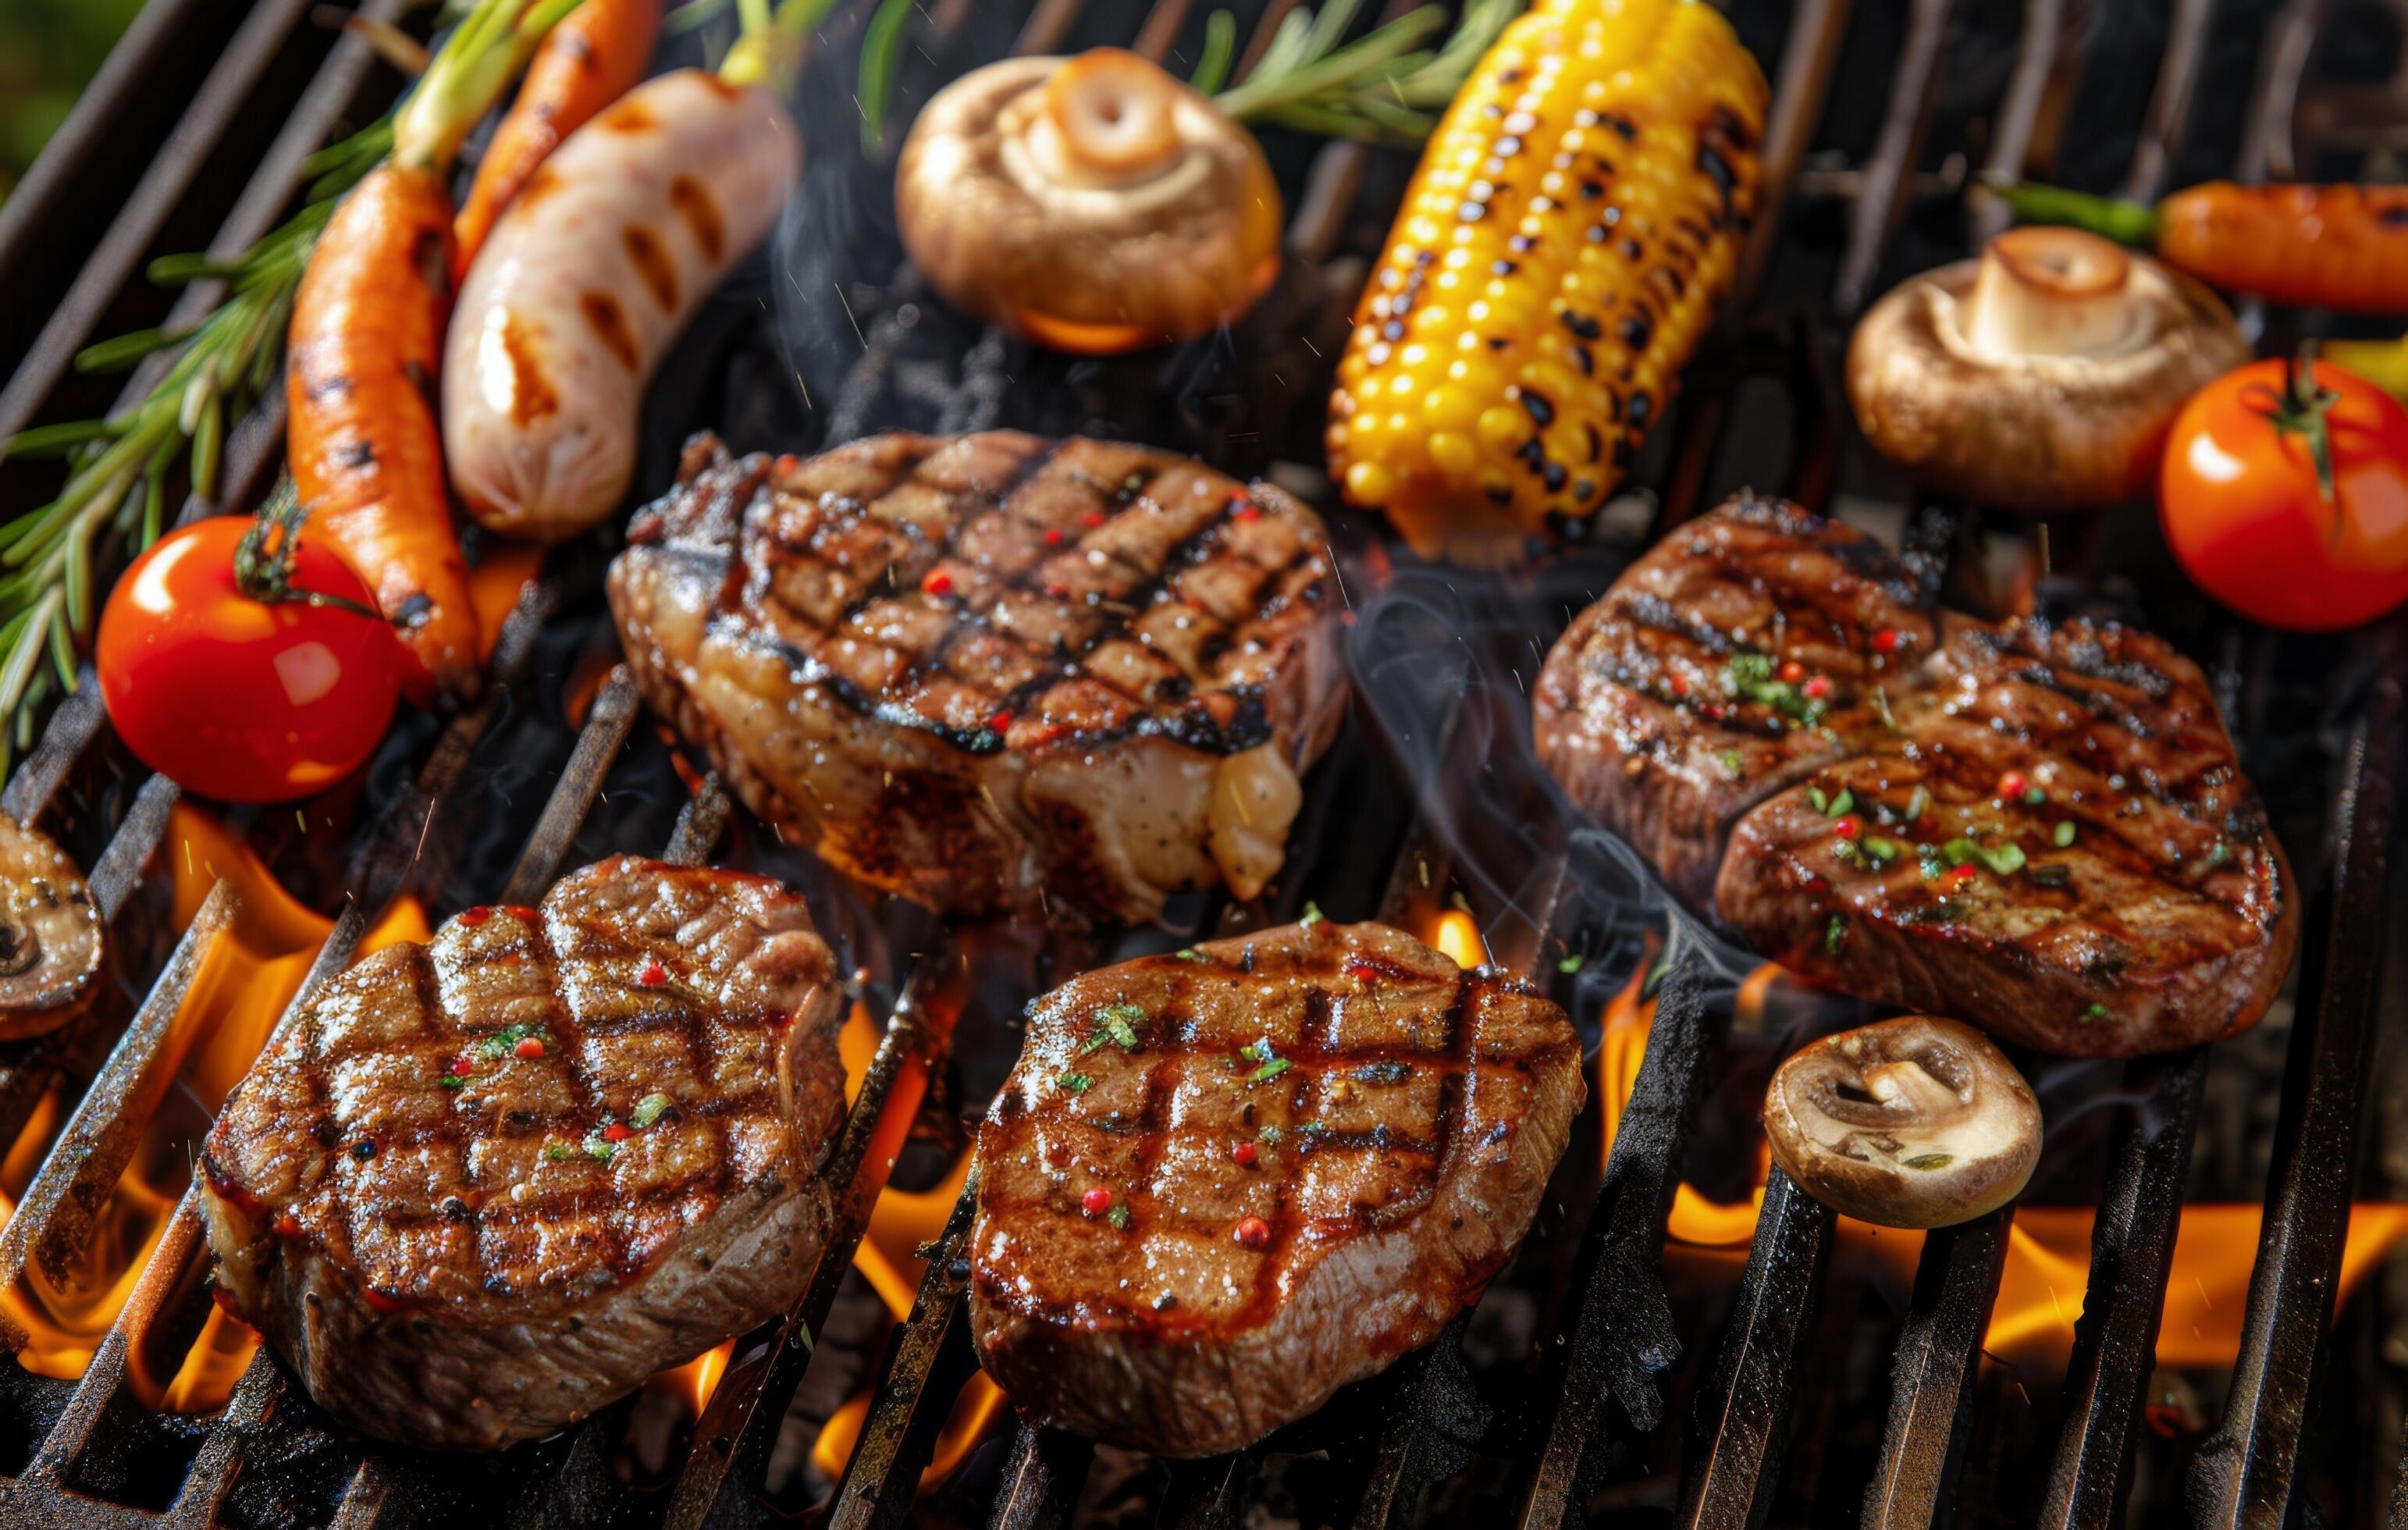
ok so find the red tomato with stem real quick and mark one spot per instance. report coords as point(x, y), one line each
point(2284, 495)
point(245, 663)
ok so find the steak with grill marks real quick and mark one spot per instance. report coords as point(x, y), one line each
point(2039, 828)
point(989, 671)
point(489, 1183)
point(1220, 1185)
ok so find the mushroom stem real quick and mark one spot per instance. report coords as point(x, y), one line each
point(1106, 121)
point(2052, 292)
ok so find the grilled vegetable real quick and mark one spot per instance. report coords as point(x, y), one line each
point(595, 271)
point(2282, 491)
point(361, 438)
point(1558, 254)
point(2341, 247)
point(592, 58)
point(2041, 376)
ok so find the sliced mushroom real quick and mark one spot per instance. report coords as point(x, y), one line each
point(2042, 375)
point(50, 937)
point(1093, 204)
point(1913, 1122)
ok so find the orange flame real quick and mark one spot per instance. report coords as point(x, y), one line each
point(692, 1383)
point(241, 988)
point(2048, 1247)
point(1455, 934)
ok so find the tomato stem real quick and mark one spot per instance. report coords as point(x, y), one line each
point(264, 559)
point(2301, 410)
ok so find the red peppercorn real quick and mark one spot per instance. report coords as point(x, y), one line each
point(1713, 711)
point(463, 1067)
point(1793, 672)
point(654, 975)
point(1957, 877)
point(1848, 827)
point(938, 582)
point(521, 911)
point(2011, 784)
point(1096, 1202)
point(1000, 721)
point(787, 462)
point(1053, 536)
point(1886, 640)
point(1246, 509)
point(1253, 1233)
point(529, 1049)
point(616, 1132)
point(476, 916)
point(1362, 971)
point(1093, 519)
point(1817, 688)
point(1246, 1153)
point(1679, 684)
point(1057, 591)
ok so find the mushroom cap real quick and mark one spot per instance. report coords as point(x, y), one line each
point(1911, 1123)
point(2042, 375)
point(1094, 203)
point(50, 934)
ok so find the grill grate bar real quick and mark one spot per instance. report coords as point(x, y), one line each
point(2252, 1459)
point(1624, 1337)
point(2132, 1248)
point(54, 1220)
point(2169, 102)
point(1041, 1480)
point(71, 729)
point(598, 743)
point(1931, 1378)
point(1745, 1410)
point(1914, 88)
point(1808, 58)
point(2036, 52)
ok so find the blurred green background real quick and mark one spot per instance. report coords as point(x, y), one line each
point(49, 51)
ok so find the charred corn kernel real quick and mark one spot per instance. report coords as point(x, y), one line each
point(1574, 222)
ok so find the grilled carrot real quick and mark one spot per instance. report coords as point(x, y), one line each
point(362, 348)
point(591, 58)
point(2342, 247)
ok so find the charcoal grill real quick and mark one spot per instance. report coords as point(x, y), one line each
point(1881, 111)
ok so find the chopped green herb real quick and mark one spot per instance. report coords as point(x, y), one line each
point(1880, 849)
point(1191, 954)
point(558, 1152)
point(1312, 914)
point(1749, 677)
point(1270, 1070)
point(1820, 800)
point(2096, 1012)
point(1841, 804)
point(1074, 1083)
point(452, 1081)
point(1116, 1025)
point(1917, 803)
point(2006, 859)
point(648, 1109)
point(1570, 964)
point(1881, 705)
point(1733, 765)
point(1256, 1051)
point(1833, 934)
point(1959, 850)
point(1929, 1160)
point(598, 1148)
point(1118, 1216)
point(2062, 834)
point(507, 1039)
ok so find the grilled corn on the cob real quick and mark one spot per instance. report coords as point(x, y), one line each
point(1559, 253)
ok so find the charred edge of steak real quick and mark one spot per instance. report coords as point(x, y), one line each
point(700, 522)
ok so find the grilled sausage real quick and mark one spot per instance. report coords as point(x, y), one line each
point(584, 283)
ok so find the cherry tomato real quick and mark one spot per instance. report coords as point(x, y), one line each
point(2260, 524)
point(238, 697)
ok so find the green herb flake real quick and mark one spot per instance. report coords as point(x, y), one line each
point(1118, 1216)
point(1929, 1160)
point(452, 1081)
point(1270, 1070)
point(2096, 1012)
point(1821, 799)
point(507, 1039)
point(1881, 705)
point(558, 1152)
point(2062, 834)
point(2006, 859)
point(598, 1148)
point(1880, 849)
point(1074, 1083)
point(1836, 932)
point(1917, 803)
point(1733, 765)
point(1116, 1026)
point(648, 1109)
point(1192, 954)
point(1570, 964)
point(1841, 804)
point(1960, 851)
point(1312, 914)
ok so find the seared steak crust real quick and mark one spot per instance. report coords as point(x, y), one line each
point(1385, 1120)
point(971, 670)
point(459, 1240)
point(2040, 829)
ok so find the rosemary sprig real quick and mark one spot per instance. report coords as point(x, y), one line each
point(1385, 86)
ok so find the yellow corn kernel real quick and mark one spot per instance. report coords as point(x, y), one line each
point(1559, 252)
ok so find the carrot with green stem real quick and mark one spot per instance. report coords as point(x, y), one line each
point(365, 345)
point(590, 60)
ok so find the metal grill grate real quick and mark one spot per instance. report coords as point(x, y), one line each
point(1602, 1389)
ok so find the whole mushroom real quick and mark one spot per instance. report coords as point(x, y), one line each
point(2042, 375)
point(1911, 1123)
point(1093, 204)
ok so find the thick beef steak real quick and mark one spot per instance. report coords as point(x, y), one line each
point(489, 1183)
point(1222, 1184)
point(994, 672)
point(2040, 829)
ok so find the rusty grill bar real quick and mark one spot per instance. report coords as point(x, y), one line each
point(1620, 1339)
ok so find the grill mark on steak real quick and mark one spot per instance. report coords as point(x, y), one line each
point(1387, 1205)
point(2163, 921)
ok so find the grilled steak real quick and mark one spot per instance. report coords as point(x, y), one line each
point(988, 669)
point(490, 1183)
point(50, 935)
point(2040, 829)
point(1220, 1185)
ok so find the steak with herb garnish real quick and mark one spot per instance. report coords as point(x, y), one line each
point(487, 1184)
point(990, 671)
point(1220, 1184)
point(2037, 828)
